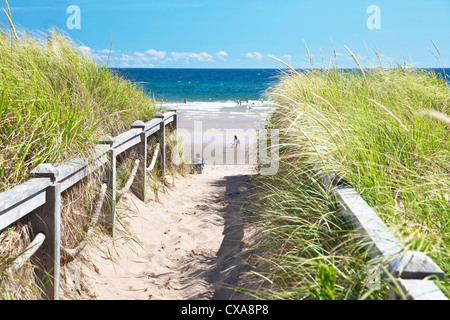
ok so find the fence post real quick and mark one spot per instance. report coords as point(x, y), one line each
point(175, 121)
point(175, 127)
point(139, 184)
point(414, 289)
point(109, 205)
point(162, 143)
point(47, 220)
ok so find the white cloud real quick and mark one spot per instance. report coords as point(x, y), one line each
point(254, 55)
point(287, 57)
point(107, 51)
point(202, 56)
point(85, 50)
point(221, 55)
point(126, 57)
point(156, 55)
point(142, 57)
point(137, 58)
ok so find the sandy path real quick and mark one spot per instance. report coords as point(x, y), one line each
point(187, 249)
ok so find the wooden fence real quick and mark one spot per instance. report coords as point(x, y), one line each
point(408, 273)
point(39, 198)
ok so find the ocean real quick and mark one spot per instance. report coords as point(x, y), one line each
point(205, 89)
point(211, 117)
point(209, 89)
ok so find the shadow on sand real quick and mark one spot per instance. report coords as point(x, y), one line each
point(223, 271)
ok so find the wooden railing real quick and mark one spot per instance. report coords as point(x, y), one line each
point(408, 273)
point(39, 198)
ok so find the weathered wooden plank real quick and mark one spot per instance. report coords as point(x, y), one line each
point(109, 205)
point(71, 173)
point(125, 145)
point(19, 201)
point(99, 153)
point(379, 242)
point(139, 184)
point(169, 117)
point(153, 130)
point(415, 290)
point(152, 126)
point(47, 220)
point(126, 140)
point(125, 136)
point(168, 114)
point(414, 265)
point(374, 234)
point(162, 144)
point(168, 120)
point(22, 192)
point(175, 122)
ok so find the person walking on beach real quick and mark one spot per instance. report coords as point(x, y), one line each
point(236, 141)
point(185, 100)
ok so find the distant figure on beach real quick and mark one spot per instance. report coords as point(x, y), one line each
point(185, 100)
point(199, 163)
point(236, 141)
point(262, 100)
point(238, 102)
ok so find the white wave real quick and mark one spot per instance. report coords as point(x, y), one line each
point(218, 106)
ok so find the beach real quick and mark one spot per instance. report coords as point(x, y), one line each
point(211, 134)
point(184, 243)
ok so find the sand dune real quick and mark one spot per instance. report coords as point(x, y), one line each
point(187, 244)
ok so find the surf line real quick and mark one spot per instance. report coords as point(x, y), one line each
point(193, 310)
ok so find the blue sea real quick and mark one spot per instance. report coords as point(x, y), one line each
point(205, 89)
point(209, 89)
point(211, 104)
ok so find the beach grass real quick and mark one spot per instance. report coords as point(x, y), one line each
point(386, 132)
point(55, 104)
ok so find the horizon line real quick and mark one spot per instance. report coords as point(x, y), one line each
point(271, 68)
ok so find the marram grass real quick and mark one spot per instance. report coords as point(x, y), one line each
point(55, 103)
point(386, 132)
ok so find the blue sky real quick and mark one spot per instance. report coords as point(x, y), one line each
point(245, 33)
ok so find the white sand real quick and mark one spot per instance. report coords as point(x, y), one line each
point(188, 242)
